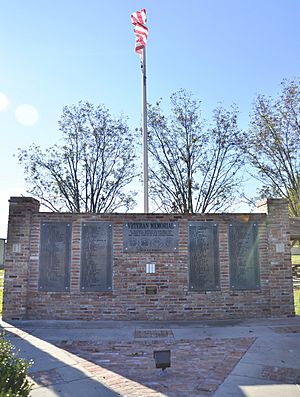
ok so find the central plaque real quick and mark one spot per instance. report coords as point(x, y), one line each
point(96, 256)
point(150, 236)
point(204, 270)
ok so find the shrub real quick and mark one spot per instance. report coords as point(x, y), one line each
point(13, 372)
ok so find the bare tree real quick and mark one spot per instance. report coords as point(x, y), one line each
point(89, 170)
point(272, 144)
point(193, 168)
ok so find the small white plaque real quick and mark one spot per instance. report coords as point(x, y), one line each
point(16, 248)
point(280, 248)
point(150, 267)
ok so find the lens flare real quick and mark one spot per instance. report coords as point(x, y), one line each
point(27, 115)
point(3, 102)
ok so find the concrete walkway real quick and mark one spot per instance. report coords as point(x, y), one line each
point(253, 358)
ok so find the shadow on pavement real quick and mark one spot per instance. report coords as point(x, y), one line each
point(55, 372)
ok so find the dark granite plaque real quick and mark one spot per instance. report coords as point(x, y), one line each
point(151, 289)
point(152, 236)
point(204, 270)
point(96, 256)
point(55, 256)
point(243, 255)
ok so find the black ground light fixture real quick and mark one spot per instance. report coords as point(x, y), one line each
point(162, 359)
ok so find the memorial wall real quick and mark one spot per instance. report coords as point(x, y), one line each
point(154, 266)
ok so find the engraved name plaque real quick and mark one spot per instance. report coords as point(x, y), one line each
point(96, 256)
point(204, 270)
point(151, 289)
point(243, 255)
point(152, 236)
point(55, 256)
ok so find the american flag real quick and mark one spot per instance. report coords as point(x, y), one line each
point(138, 19)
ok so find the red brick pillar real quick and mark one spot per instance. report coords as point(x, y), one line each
point(17, 257)
point(279, 250)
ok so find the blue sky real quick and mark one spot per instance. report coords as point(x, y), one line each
point(55, 53)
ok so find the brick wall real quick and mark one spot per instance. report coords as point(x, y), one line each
point(127, 299)
point(279, 253)
point(21, 212)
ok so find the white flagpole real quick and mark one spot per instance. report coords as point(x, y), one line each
point(145, 133)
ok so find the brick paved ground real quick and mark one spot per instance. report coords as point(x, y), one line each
point(127, 368)
point(280, 374)
point(197, 369)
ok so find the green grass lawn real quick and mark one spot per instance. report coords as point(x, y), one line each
point(296, 259)
point(297, 301)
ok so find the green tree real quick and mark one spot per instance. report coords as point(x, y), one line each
point(294, 199)
point(90, 169)
point(272, 144)
point(194, 168)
